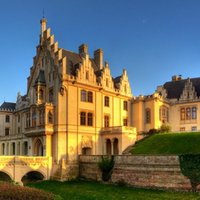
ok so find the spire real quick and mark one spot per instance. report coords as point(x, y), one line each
point(43, 23)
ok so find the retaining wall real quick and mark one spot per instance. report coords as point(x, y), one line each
point(144, 171)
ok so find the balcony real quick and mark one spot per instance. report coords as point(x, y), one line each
point(39, 130)
point(118, 129)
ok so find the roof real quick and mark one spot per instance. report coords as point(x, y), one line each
point(175, 88)
point(73, 59)
point(40, 80)
point(8, 105)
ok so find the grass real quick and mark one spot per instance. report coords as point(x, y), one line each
point(71, 190)
point(169, 143)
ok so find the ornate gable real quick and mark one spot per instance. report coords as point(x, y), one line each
point(188, 93)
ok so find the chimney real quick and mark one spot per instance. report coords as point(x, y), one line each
point(83, 49)
point(98, 58)
point(174, 78)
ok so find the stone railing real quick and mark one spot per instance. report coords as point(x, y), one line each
point(118, 129)
point(23, 159)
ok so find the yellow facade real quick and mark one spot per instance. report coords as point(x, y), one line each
point(73, 106)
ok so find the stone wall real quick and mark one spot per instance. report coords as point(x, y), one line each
point(144, 171)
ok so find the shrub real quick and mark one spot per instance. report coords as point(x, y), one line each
point(10, 191)
point(122, 183)
point(165, 128)
point(106, 165)
point(153, 131)
point(190, 167)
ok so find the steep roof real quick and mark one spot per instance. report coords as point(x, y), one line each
point(73, 59)
point(8, 105)
point(175, 88)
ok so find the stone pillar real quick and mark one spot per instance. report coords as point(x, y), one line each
point(104, 149)
point(111, 147)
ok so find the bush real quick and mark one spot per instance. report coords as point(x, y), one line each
point(10, 191)
point(190, 167)
point(165, 128)
point(122, 183)
point(153, 131)
point(106, 165)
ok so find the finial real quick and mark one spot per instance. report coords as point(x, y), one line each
point(43, 13)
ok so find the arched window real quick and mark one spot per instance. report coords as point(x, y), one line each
point(148, 115)
point(41, 95)
point(7, 118)
point(42, 117)
point(50, 118)
point(34, 116)
point(28, 120)
point(83, 95)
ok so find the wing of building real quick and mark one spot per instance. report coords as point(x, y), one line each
point(73, 106)
point(176, 102)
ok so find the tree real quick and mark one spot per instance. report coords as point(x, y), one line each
point(106, 165)
point(190, 167)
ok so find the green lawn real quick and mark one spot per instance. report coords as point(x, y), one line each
point(170, 143)
point(95, 191)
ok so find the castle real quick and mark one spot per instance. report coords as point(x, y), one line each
point(74, 106)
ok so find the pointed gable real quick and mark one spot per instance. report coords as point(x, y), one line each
point(175, 88)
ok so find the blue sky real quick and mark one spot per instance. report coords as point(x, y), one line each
point(152, 39)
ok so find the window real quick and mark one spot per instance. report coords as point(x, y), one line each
point(148, 116)
point(27, 120)
point(90, 119)
point(194, 113)
point(86, 120)
point(86, 96)
point(182, 113)
point(18, 118)
point(188, 113)
point(87, 75)
point(50, 118)
point(106, 82)
point(18, 130)
point(41, 119)
point(106, 103)
point(41, 95)
point(83, 118)
point(106, 121)
point(125, 122)
point(163, 114)
point(83, 95)
point(34, 116)
point(194, 128)
point(7, 118)
point(6, 131)
point(90, 97)
point(51, 96)
point(182, 129)
point(125, 105)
